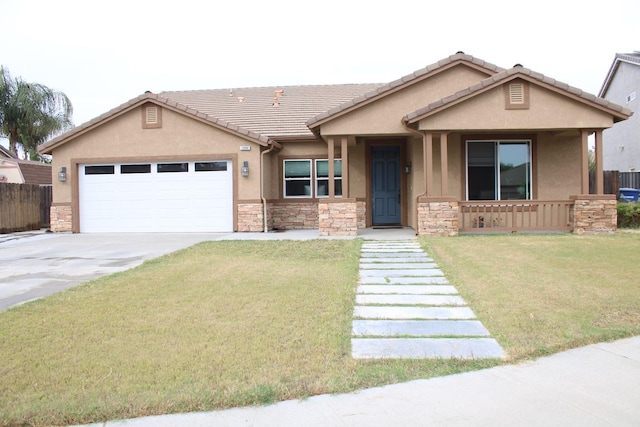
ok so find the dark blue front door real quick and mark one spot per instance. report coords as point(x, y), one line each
point(385, 185)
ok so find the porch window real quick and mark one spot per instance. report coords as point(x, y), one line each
point(310, 178)
point(499, 170)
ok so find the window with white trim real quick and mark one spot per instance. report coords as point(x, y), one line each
point(307, 178)
point(499, 170)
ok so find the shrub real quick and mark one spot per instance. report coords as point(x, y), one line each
point(628, 215)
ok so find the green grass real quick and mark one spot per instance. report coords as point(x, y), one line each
point(226, 324)
point(540, 294)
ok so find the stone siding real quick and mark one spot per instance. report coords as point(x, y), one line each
point(361, 213)
point(293, 215)
point(594, 214)
point(437, 217)
point(61, 218)
point(338, 218)
point(250, 217)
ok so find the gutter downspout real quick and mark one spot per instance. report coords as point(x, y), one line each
point(264, 200)
point(415, 132)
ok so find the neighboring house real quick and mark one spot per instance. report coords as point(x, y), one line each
point(424, 151)
point(622, 86)
point(14, 170)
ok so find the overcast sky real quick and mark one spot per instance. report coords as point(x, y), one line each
point(101, 54)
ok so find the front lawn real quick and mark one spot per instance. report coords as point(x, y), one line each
point(225, 324)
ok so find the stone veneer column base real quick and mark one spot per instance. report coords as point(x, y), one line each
point(250, 217)
point(594, 214)
point(438, 216)
point(338, 217)
point(61, 218)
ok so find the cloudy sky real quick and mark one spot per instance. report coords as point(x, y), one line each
point(101, 54)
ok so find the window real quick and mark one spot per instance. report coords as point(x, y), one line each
point(210, 166)
point(308, 178)
point(498, 170)
point(173, 167)
point(322, 177)
point(297, 178)
point(99, 170)
point(135, 168)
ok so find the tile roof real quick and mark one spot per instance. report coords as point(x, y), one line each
point(631, 58)
point(385, 89)
point(258, 110)
point(35, 172)
point(510, 74)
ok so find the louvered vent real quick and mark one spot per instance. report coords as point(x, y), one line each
point(152, 115)
point(516, 93)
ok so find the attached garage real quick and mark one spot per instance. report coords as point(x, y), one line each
point(171, 196)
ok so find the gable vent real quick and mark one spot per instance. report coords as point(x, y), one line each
point(152, 115)
point(516, 93)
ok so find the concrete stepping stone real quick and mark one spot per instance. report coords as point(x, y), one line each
point(407, 289)
point(438, 280)
point(406, 255)
point(391, 250)
point(418, 328)
point(396, 265)
point(421, 272)
point(431, 300)
point(403, 260)
point(421, 348)
point(408, 313)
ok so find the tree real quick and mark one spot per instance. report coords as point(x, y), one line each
point(31, 113)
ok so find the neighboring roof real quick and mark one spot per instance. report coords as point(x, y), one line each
point(618, 112)
point(32, 172)
point(409, 79)
point(630, 58)
point(6, 153)
point(35, 172)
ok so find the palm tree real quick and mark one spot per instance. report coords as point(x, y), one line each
point(31, 113)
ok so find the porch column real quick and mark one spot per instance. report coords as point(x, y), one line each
point(428, 163)
point(599, 161)
point(584, 160)
point(444, 164)
point(331, 156)
point(345, 167)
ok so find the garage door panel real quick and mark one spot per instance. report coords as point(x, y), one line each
point(156, 202)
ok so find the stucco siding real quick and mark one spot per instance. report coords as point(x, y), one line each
point(382, 117)
point(124, 140)
point(548, 110)
point(557, 166)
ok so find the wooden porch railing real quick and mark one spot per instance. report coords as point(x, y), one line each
point(515, 215)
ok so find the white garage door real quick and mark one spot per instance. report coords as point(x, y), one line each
point(192, 196)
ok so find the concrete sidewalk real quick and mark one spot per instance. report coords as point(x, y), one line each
point(598, 385)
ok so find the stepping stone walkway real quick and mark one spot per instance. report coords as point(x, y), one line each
point(406, 309)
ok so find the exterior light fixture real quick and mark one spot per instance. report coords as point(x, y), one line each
point(62, 175)
point(244, 171)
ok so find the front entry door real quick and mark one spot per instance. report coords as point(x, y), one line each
point(385, 185)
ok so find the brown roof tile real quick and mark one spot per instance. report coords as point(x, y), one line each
point(35, 172)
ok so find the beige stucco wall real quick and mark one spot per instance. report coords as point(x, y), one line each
point(11, 171)
point(382, 117)
point(547, 110)
point(558, 165)
point(181, 137)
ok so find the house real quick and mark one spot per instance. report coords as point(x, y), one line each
point(459, 146)
point(15, 170)
point(621, 145)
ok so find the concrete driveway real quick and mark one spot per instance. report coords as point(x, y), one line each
point(34, 265)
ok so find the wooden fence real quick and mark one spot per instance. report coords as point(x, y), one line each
point(24, 207)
